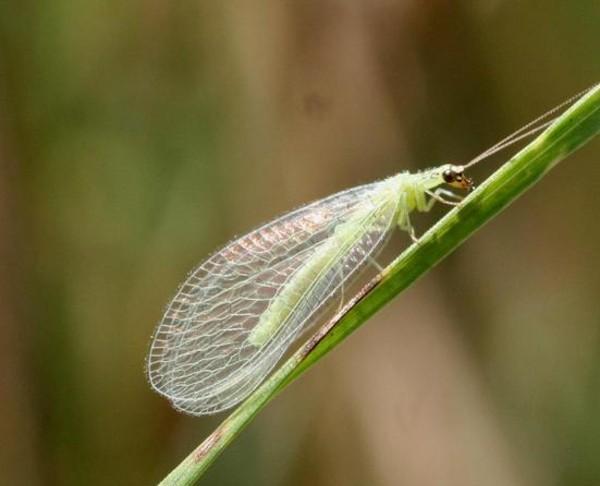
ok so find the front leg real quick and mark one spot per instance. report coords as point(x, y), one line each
point(437, 196)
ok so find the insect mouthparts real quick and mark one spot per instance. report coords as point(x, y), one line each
point(454, 176)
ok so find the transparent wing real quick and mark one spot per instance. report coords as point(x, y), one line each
point(200, 357)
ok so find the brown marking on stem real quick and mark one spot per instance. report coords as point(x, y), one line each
point(325, 329)
point(208, 443)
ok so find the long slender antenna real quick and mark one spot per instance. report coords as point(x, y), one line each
point(528, 129)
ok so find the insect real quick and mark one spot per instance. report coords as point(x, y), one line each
point(237, 313)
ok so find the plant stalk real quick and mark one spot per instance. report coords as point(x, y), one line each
point(578, 125)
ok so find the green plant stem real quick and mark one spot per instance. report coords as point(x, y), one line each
point(570, 131)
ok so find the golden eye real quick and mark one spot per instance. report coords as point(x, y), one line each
point(448, 176)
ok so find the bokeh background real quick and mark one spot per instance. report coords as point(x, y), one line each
point(136, 137)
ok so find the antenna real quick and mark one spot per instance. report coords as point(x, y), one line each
point(525, 131)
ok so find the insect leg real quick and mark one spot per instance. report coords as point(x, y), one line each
point(373, 262)
point(437, 196)
point(404, 224)
point(411, 232)
point(443, 191)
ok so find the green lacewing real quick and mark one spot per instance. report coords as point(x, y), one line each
point(237, 313)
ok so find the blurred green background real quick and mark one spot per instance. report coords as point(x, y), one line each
point(136, 137)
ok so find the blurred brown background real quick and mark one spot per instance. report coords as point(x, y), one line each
point(136, 137)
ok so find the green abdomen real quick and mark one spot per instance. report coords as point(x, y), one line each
point(300, 284)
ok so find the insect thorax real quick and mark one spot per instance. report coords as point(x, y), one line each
point(412, 188)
